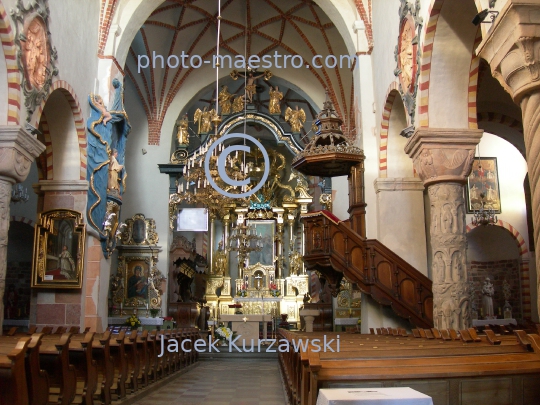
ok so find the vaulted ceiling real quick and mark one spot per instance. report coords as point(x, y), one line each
point(248, 27)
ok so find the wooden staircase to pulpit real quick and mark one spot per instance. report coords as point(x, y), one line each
point(336, 250)
point(340, 248)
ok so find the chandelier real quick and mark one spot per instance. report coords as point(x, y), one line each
point(484, 216)
point(244, 240)
point(19, 193)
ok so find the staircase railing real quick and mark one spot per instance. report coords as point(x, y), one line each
point(332, 246)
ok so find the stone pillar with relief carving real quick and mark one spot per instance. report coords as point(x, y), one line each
point(443, 160)
point(512, 49)
point(18, 149)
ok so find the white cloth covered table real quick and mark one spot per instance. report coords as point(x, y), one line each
point(372, 396)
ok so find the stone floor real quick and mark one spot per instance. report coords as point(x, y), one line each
point(223, 382)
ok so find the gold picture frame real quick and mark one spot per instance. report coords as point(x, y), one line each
point(483, 180)
point(59, 242)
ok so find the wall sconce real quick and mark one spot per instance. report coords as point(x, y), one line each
point(481, 16)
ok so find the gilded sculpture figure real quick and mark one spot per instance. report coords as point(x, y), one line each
point(224, 99)
point(36, 55)
point(204, 119)
point(406, 55)
point(182, 134)
point(295, 118)
point(238, 104)
point(220, 263)
point(251, 86)
point(276, 96)
point(114, 170)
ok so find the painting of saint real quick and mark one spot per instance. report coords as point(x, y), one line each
point(62, 244)
point(137, 285)
point(265, 230)
point(483, 186)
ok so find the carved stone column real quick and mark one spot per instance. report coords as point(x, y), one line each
point(18, 149)
point(443, 160)
point(512, 49)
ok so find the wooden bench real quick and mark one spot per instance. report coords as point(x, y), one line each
point(428, 364)
point(13, 383)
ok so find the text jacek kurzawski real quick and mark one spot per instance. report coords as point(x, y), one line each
point(270, 345)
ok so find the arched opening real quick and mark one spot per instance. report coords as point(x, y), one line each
point(398, 163)
point(493, 253)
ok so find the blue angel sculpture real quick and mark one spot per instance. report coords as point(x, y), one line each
point(106, 172)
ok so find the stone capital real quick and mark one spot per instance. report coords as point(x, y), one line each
point(398, 184)
point(18, 149)
point(512, 47)
point(442, 154)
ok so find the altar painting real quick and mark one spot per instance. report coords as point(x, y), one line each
point(484, 179)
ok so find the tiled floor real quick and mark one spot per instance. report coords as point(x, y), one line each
point(224, 382)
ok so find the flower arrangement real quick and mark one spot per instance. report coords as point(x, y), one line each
point(243, 291)
point(224, 334)
point(133, 322)
point(274, 290)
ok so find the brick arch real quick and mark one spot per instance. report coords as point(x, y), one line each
point(391, 95)
point(13, 74)
point(24, 220)
point(523, 265)
point(73, 101)
point(428, 39)
point(47, 164)
point(472, 91)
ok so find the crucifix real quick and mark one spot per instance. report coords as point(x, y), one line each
point(258, 281)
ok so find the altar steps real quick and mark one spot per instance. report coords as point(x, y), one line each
point(225, 354)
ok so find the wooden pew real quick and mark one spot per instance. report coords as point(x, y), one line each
point(54, 358)
point(36, 378)
point(364, 359)
point(13, 383)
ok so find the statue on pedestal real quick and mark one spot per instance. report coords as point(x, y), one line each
point(220, 267)
point(487, 298)
point(274, 106)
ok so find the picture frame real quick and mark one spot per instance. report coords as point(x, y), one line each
point(484, 178)
point(59, 241)
point(267, 254)
point(135, 272)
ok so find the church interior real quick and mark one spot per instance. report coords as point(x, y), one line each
point(186, 183)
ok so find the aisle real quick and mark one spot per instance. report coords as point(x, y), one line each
point(224, 382)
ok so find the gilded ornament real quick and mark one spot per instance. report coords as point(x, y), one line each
point(295, 118)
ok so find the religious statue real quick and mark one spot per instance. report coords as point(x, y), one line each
point(224, 99)
point(114, 170)
point(251, 87)
point(274, 106)
point(295, 262)
point(204, 120)
point(101, 106)
point(406, 55)
point(36, 53)
point(182, 133)
point(487, 298)
point(106, 168)
point(67, 265)
point(238, 104)
point(220, 266)
point(295, 118)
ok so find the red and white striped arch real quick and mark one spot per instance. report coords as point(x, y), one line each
point(24, 220)
point(391, 95)
point(13, 74)
point(44, 125)
point(71, 97)
point(524, 265)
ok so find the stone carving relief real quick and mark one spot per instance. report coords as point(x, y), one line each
point(407, 54)
point(450, 285)
point(36, 58)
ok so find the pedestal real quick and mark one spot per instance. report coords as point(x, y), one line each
point(309, 316)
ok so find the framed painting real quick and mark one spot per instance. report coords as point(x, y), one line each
point(483, 182)
point(266, 230)
point(59, 250)
point(136, 274)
